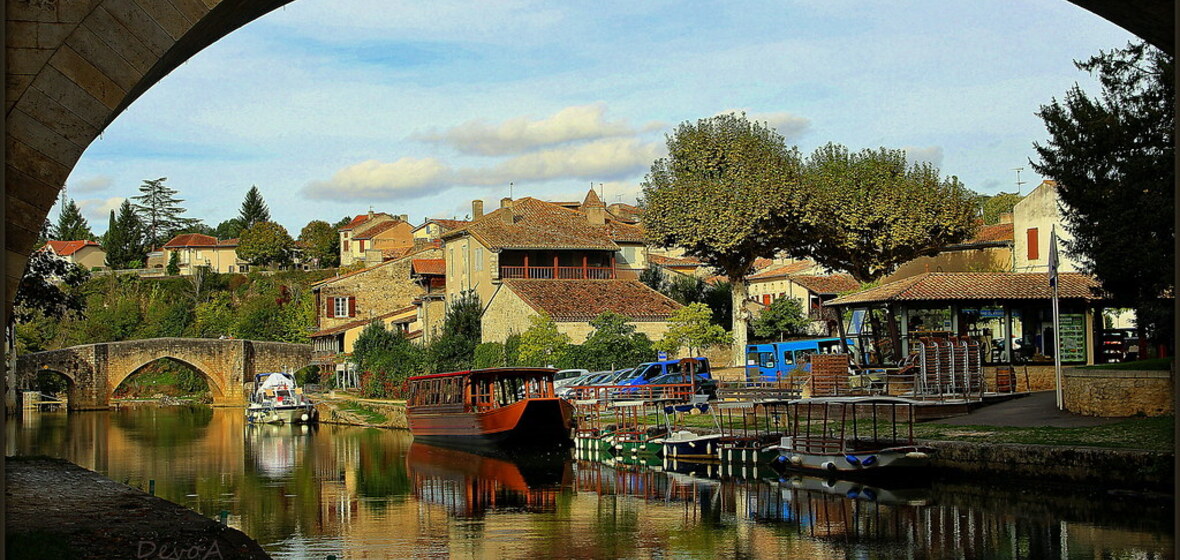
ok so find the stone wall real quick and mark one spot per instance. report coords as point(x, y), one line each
point(384, 288)
point(1118, 393)
point(1028, 377)
point(506, 314)
point(578, 331)
point(1093, 465)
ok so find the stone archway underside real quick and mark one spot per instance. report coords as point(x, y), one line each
point(75, 65)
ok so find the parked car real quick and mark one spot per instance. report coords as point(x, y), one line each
point(566, 377)
point(649, 370)
point(704, 385)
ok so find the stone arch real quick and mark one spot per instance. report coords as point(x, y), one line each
point(73, 393)
point(73, 66)
point(217, 383)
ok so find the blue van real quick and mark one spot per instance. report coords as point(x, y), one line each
point(773, 360)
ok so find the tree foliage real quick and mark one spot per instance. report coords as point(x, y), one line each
point(173, 266)
point(159, 211)
point(728, 193)
point(1113, 159)
point(541, 345)
point(1000, 203)
point(690, 327)
point(71, 225)
point(385, 359)
point(454, 349)
point(254, 210)
point(614, 343)
point(228, 229)
point(321, 242)
point(784, 316)
point(265, 243)
point(872, 211)
point(123, 241)
point(49, 288)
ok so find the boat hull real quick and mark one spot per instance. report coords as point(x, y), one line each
point(880, 461)
point(291, 414)
point(527, 423)
point(692, 448)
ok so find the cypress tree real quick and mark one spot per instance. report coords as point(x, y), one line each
point(253, 210)
point(124, 239)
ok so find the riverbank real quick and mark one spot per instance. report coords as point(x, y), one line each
point(56, 509)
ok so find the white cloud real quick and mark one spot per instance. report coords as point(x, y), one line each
point(928, 154)
point(97, 211)
point(791, 126)
point(90, 184)
point(404, 179)
point(602, 159)
point(521, 134)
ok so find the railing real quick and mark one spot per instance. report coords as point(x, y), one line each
point(610, 393)
point(558, 272)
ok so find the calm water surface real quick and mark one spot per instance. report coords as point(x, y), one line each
point(370, 493)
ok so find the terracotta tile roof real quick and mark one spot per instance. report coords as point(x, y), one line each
point(361, 219)
point(538, 225)
point(436, 267)
point(375, 229)
point(625, 212)
point(228, 242)
point(940, 286)
point(583, 300)
point(450, 224)
point(782, 271)
point(362, 322)
point(826, 285)
point(592, 199)
point(673, 261)
point(993, 233)
point(67, 248)
point(761, 263)
point(623, 232)
point(396, 252)
point(191, 240)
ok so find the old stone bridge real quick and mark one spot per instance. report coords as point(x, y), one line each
point(95, 370)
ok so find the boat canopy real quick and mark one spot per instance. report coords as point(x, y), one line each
point(277, 380)
point(493, 372)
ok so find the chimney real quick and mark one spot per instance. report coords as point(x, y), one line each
point(509, 217)
point(404, 217)
point(1006, 218)
point(370, 212)
point(476, 209)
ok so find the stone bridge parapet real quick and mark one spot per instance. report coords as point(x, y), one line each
point(95, 370)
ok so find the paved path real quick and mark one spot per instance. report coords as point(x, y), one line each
point(1037, 409)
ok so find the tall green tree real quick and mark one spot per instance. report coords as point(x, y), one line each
point(265, 243)
point(728, 193)
point(614, 343)
point(541, 345)
point(873, 211)
point(784, 316)
point(690, 327)
point(173, 266)
point(253, 209)
point(454, 349)
point(321, 242)
point(123, 241)
point(159, 211)
point(1113, 158)
point(71, 225)
point(228, 229)
point(994, 206)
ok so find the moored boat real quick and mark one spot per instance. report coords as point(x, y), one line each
point(851, 436)
point(276, 399)
point(506, 407)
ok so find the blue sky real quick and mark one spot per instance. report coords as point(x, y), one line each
point(333, 106)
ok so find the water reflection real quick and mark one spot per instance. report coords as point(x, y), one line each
point(362, 492)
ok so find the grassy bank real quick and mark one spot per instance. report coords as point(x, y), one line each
point(1154, 364)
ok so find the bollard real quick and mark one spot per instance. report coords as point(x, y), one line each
point(224, 516)
point(152, 487)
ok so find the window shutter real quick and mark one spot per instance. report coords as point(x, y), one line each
point(351, 306)
point(330, 312)
point(1034, 250)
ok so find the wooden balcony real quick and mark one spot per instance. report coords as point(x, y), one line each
point(558, 272)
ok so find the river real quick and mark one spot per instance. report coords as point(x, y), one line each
point(310, 492)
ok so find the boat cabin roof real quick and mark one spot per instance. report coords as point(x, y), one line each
point(489, 372)
point(855, 400)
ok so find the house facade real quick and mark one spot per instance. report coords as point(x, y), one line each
point(1036, 217)
point(196, 250)
point(84, 253)
point(515, 256)
point(434, 228)
point(375, 230)
point(990, 250)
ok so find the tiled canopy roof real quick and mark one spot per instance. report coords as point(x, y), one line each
point(782, 271)
point(435, 267)
point(191, 240)
point(536, 224)
point(583, 300)
point(67, 248)
point(942, 286)
point(826, 285)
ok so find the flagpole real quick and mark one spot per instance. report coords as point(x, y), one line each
point(1055, 282)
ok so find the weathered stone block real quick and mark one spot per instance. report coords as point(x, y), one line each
point(96, 50)
point(89, 77)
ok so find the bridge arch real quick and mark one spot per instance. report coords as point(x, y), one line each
point(216, 385)
point(73, 66)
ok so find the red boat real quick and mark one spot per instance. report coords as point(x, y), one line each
point(488, 407)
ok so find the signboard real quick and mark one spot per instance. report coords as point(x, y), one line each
point(1073, 337)
point(661, 356)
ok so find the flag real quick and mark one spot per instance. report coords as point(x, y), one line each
point(1053, 258)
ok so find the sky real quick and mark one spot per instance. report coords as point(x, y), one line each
point(331, 107)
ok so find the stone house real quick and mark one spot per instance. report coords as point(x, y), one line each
point(346, 303)
point(195, 250)
point(431, 276)
point(84, 253)
point(379, 231)
point(513, 259)
point(773, 282)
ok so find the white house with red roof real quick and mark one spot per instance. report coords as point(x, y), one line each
point(196, 250)
point(84, 253)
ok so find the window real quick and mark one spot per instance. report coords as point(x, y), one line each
point(478, 260)
point(361, 245)
point(342, 306)
point(344, 245)
point(766, 359)
point(1034, 252)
